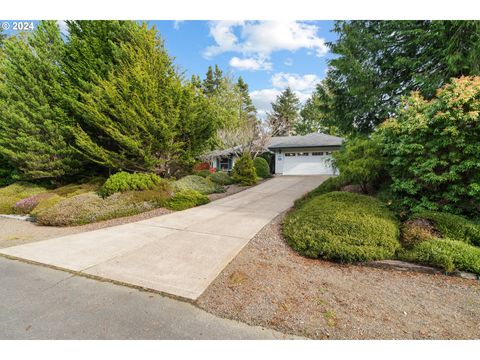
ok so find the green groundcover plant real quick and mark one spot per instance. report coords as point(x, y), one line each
point(194, 182)
point(187, 198)
point(344, 227)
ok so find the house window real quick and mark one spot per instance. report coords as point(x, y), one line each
point(328, 153)
point(302, 154)
point(224, 164)
point(289, 154)
point(317, 153)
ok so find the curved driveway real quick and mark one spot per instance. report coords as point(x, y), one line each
point(179, 253)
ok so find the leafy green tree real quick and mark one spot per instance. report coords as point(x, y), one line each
point(285, 113)
point(378, 62)
point(432, 148)
point(33, 123)
point(141, 117)
point(360, 162)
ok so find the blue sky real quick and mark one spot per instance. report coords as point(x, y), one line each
point(269, 55)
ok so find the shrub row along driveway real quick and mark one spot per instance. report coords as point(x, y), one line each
point(179, 253)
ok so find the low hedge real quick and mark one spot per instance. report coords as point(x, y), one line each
point(123, 181)
point(197, 183)
point(343, 227)
point(13, 193)
point(446, 254)
point(261, 167)
point(451, 226)
point(187, 198)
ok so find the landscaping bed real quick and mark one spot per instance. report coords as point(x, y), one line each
point(269, 284)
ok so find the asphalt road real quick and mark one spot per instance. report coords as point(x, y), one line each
point(42, 303)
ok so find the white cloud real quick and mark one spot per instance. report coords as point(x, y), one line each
point(301, 85)
point(176, 24)
point(295, 81)
point(261, 38)
point(250, 64)
point(262, 99)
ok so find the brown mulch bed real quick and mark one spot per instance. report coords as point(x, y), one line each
point(269, 284)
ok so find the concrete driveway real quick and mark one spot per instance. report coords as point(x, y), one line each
point(179, 253)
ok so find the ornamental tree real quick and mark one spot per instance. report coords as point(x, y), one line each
point(432, 149)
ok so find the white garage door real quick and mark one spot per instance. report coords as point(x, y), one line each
point(307, 163)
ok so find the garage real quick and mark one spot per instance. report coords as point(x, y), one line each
point(305, 155)
point(307, 163)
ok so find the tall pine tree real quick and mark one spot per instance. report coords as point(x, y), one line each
point(33, 124)
point(247, 109)
point(285, 113)
point(141, 117)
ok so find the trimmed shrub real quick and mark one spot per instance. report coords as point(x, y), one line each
point(202, 173)
point(221, 178)
point(329, 185)
point(261, 167)
point(447, 254)
point(244, 172)
point(453, 226)
point(343, 227)
point(89, 208)
point(13, 193)
point(197, 183)
point(123, 181)
point(187, 198)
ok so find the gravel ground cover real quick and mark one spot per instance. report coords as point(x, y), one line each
point(269, 284)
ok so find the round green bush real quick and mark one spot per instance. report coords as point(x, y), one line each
point(187, 198)
point(197, 183)
point(221, 178)
point(123, 181)
point(344, 227)
point(244, 171)
point(261, 167)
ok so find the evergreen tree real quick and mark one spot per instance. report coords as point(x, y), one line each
point(33, 124)
point(285, 112)
point(209, 83)
point(217, 77)
point(379, 62)
point(247, 110)
point(141, 117)
point(312, 115)
point(3, 36)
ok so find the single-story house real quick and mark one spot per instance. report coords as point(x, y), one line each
point(293, 155)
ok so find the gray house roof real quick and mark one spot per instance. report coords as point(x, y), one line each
point(280, 142)
point(309, 140)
